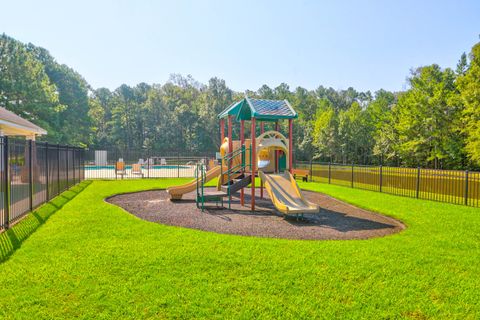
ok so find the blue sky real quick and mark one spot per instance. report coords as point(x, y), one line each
point(364, 44)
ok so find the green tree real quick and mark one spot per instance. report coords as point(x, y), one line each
point(73, 124)
point(354, 134)
point(469, 86)
point(213, 100)
point(25, 87)
point(305, 103)
point(427, 119)
point(325, 134)
point(381, 119)
point(265, 92)
point(100, 112)
point(462, 64)
point(435, 122)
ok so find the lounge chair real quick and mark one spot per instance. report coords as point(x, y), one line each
point(120, 169)
point(137, 169)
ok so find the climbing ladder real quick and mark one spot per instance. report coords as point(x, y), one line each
point(206, 196)
point(231, 180)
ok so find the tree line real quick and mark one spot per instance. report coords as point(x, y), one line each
point(434, 123)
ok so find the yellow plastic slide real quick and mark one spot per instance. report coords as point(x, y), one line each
point(177, 192)
point(285, 194)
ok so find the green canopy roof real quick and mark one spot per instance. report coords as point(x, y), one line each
point(261, 109)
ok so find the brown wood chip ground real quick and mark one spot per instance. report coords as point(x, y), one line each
point(336, 220)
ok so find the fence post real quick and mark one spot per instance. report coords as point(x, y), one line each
point(330, 172)
point(311, 170)
point(178, 164)
point(76, 165)
point(30, 174)
point(466, 187)
point(58, 169)
point(148, 163)
point(352, 174)
point(6, 184)
point(46, 173)
point(81, 165)
point(417, 185)
point(66, 166)
point(381, 177)
point(73, 164)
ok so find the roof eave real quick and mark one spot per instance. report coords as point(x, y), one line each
point(36, 131)
point(291, 109)
point(250, 104)
point(229, 110)
point(274, 118)
point(236, 108)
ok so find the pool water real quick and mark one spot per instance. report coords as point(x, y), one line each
point(87, 167)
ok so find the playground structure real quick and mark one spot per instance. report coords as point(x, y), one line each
point(268, 156)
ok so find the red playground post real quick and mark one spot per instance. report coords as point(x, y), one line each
point(230, 150)
point(277, 128)
point(262, 130)
point(290, 144)
point(242, 143)
point(230, 141)
point(222, 130)
point(253, 163)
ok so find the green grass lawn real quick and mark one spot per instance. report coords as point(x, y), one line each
point(91, 259)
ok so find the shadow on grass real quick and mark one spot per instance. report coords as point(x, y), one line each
point(12, 239)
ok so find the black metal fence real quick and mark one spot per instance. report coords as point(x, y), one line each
point(452, 186)
point(31, 173)
point(101, 164)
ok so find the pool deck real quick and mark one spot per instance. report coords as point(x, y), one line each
point(182, 172)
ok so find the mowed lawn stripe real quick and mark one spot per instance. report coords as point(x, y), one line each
point(91, 259)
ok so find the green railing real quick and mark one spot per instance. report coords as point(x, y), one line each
point(231, 170)
point(228, 158)
point(200, 176)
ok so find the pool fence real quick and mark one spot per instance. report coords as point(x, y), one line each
point(101, 164)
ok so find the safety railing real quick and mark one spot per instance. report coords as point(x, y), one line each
point(240, 167)
point(33, 173)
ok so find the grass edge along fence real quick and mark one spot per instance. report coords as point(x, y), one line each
point(451, 186)
point(32, 173)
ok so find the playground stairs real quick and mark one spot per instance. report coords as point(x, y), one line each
point(232, 174)
point(237, 184)
point(211, 196)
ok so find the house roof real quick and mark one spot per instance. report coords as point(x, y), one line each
point(14, 125)
point(261, 109)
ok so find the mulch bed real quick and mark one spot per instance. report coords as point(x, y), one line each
point(336, 220)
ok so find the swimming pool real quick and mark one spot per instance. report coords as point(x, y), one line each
point(112, 167)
